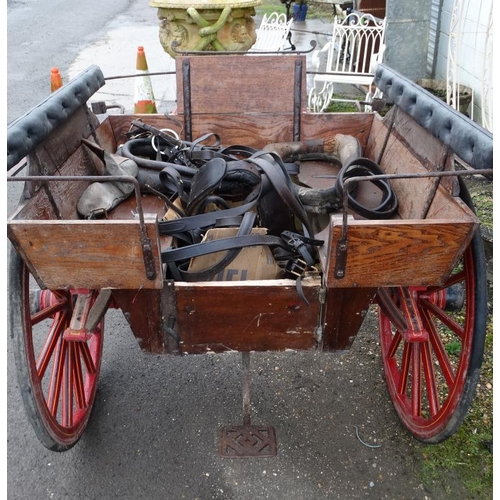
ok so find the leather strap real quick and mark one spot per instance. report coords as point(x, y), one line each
point(245, 229)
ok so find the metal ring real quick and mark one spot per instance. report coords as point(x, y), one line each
point(173, 133)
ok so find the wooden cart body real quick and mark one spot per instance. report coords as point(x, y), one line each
point(123, 253)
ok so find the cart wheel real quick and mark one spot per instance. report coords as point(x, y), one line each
point(432, 381)
point(57, 377)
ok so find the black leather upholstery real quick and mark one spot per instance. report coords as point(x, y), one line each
point(470, 142)
point(28, 131)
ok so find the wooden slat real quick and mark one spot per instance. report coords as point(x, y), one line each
point(63, 142)
point(258, 316)
point(86, 254)
point(410, 148)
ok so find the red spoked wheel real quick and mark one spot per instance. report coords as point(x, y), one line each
point(432, 342)
point(57, 376)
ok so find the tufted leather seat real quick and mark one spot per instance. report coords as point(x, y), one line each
point(470, 142)
point(28, 131)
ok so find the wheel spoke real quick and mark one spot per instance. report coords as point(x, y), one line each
point(439, 350)
point(56, 377)
point(78, 376)
point(416, 380)
point(453, 279)
point(430, 379)
point(402, 385)
point(50, 344)
point(446, 319)
point(67, 387)
point(87, 357)
point(48, 312)
point(395, 343)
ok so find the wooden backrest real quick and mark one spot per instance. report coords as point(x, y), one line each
point(358, 43)
point(266, 89)
point(272, 33)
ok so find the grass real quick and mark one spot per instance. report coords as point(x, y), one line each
point(342, 107)
point(464, 462)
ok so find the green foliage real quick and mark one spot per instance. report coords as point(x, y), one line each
point(453, 348)
point(342, 107)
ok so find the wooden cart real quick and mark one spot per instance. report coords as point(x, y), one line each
point(421, 265)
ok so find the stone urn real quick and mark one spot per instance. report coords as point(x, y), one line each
point(206, 25)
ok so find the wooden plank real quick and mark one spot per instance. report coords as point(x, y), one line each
point(260, 316)
point(256, 129)
point(87, 254)
point(345, 310)
point(105, 136)
point(249, 130)
point(239, 84)
point(58, 199)
point(398, 252)
point(416, 140)
point(142, 310)
point(320, 125)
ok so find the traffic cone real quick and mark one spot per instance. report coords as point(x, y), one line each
point(55, 79)
point(144, 100)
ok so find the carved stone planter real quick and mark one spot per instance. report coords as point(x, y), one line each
point(211, 25)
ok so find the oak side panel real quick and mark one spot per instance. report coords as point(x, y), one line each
point(398, 253)
point(87, 254)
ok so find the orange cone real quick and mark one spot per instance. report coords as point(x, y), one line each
point(55, 79)
point(144, 100)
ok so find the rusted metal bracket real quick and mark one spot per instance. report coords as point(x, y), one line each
point(297, 99)
point(186, 90)
point(341, 257)
point(245, 441)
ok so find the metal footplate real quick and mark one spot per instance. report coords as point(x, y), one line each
point(245, 441)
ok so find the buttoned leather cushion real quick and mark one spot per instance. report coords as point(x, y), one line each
point(28, 131)
point(469, 141)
